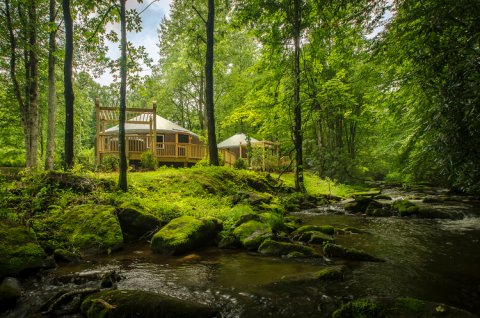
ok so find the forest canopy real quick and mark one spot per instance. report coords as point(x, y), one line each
point(352, 90)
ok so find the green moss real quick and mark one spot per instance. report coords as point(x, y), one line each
point(360, 308)
point(295, 254)
point(282, 248)
point(405, 207)
point(184, 234)
point(136, 223)
point(334, 250)
point(408, 304)
point(318, 238)
point(19, 249)
point(273, 220)
point(382, 197)
point(137, 303)
point(252, 233)
point(327, 229)
point(331, 273)
point(91, 228)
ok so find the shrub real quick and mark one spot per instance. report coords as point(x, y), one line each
point(148, 161)
point(86, 158)
point(240, 163)
point(110, 163)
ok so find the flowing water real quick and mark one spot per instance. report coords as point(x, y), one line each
point(435, 260)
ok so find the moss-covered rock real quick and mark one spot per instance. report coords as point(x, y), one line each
point(334, 250)
point(65, 256)
point(360, 308)
point(318, 238)
point(331, 273)
point(326, 229)
point(382, 197)
point(252, 233)
point(405, 207)
point(184, 234)
point(359, 205)
point(136, 303)
point(10, 292)
point(273, 220)
point(90, 228)
point(19, 249)
point(377, 209)
point(272, 247)
point(403, 307)
point(136, 223)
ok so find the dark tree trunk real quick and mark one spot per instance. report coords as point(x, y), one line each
point(201, 103)
point(52, 93)
point(297, 109)
point(212, 140)
point(122, 178)
point(33, 84)
point(68, 92)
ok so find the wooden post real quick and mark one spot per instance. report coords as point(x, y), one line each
point(97, 134)
point(176, 145)
point(154, 136)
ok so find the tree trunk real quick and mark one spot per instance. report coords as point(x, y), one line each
point(212, 140)
point(201, 103)
point(297, 110)
point(52, 92)
point(13, 76)
point(68, 92)
point(122, 178)
point(33, 84)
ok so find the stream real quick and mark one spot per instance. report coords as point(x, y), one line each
point(435, 260)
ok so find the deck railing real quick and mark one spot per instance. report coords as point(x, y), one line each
point(108, 144)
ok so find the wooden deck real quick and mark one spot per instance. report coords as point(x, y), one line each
point(164, 151)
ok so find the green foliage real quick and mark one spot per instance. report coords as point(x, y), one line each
point(148, 161)
point(240, 163)
point(109, 163)
point(86, 158)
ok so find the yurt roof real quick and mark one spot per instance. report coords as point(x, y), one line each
point(235, 141)
point(163, 126)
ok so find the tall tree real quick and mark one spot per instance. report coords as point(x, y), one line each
point(68, 86)
point(297, 107)
point(212, 139)
point(52, 91)
point(122, 178)
point(23, 46)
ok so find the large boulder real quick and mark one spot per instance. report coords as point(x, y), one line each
point(10, 292)
point(185, 234)
point(136, 223)
point(90, 228)
point(335, 250)
point(359, 205)
point(272, 247)
point(252, 233)
point(405, 207)
point(137, 303)
point(19, 250)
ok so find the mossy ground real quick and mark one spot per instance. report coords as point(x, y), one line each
point(44, 199)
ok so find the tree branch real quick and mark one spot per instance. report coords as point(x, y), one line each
point(101, 22)
point(201, 17)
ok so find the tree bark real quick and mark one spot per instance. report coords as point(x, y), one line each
point(122, 178)
point(52, 92)
point(32, 85)
point(212, 140)
point(297, 109)
point(68, 92)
